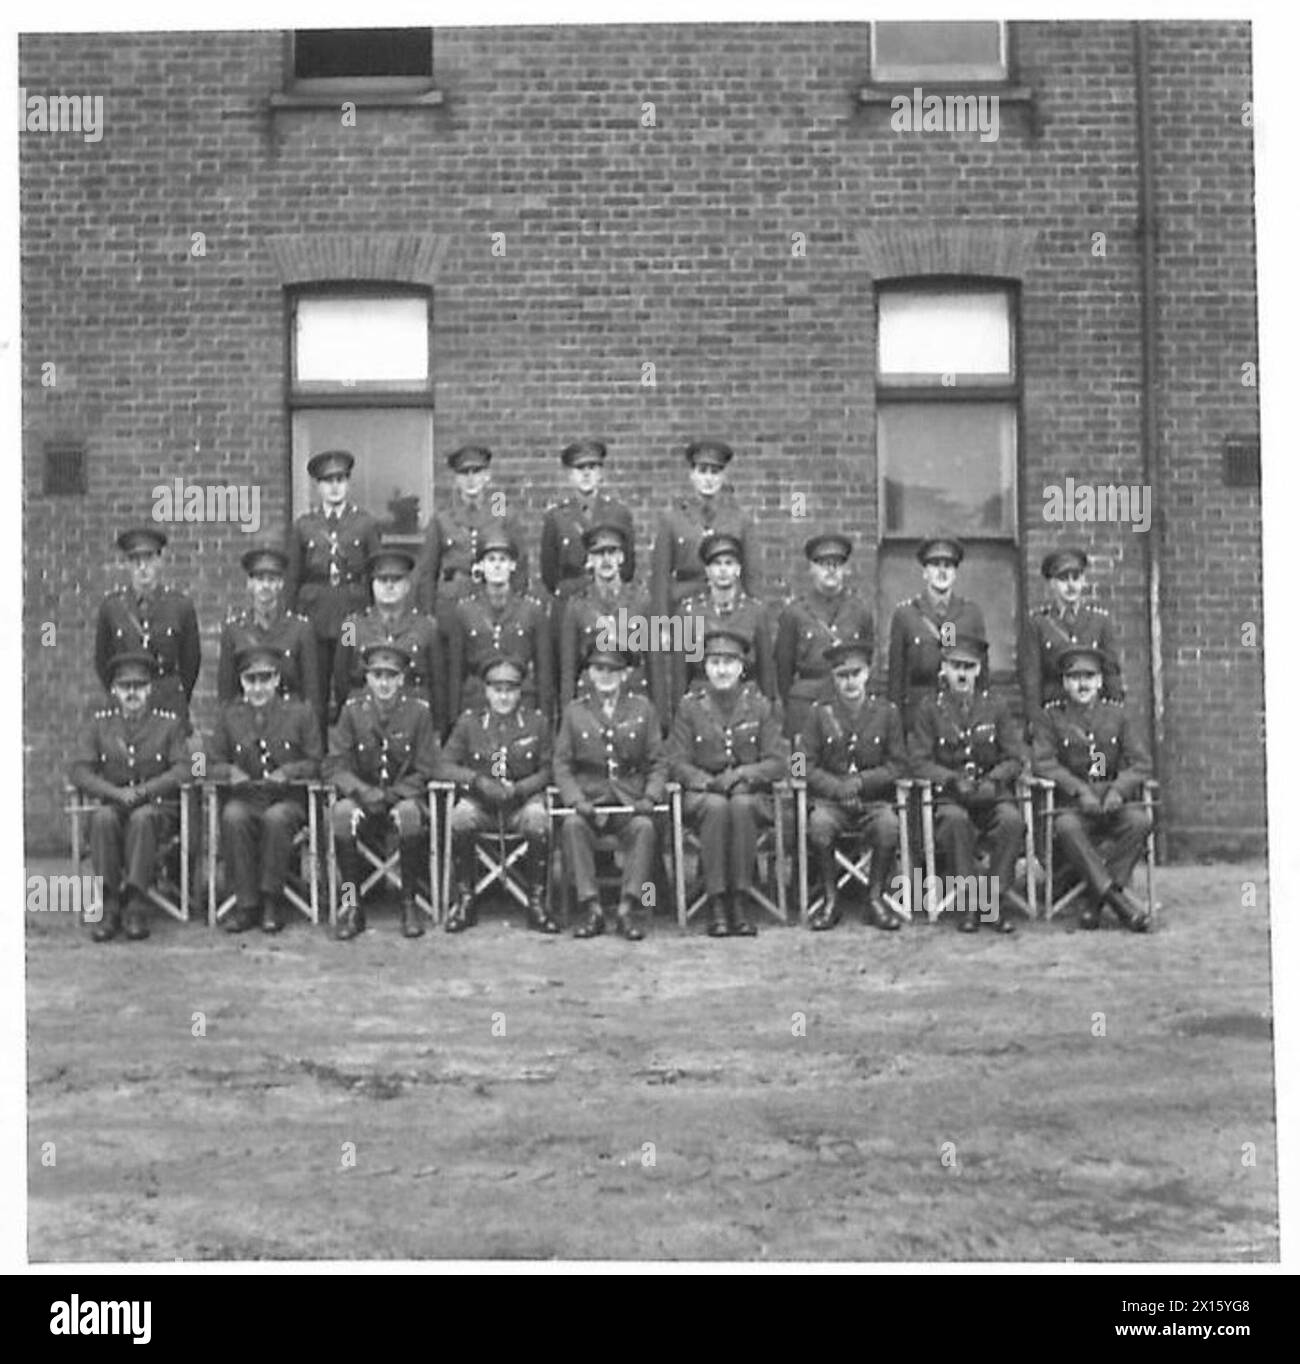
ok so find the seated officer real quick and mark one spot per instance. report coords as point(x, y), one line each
point(498, 620)
point(261, 743)
point(391, 620)
point(383, 755)
point(726, 750)
point(968, 745)
point(855, 754)
point(265, 621)
point(1065, 622)
point(922, 626)
point(609, 752)
point(133, 758)
point(1090, 749)
point(500, 755)
point(825, 615)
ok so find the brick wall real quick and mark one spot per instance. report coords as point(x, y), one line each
point(627, 245)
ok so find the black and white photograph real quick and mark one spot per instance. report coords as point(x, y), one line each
point(642, 643)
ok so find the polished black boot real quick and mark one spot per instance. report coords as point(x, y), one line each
point(829, 914)
point(629, 920)
point(460, 913)
point(410, 864)
point(1132, 914)
point(535, 869)
point(591, 920)
point(110, 922)
point(352, 920)
point(719, 924)
point(135, 919)
point(737, 919)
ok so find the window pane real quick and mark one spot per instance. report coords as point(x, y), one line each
point(988, 576)
point(947, 466)
point(325, 52)
point(951, 50)
point(933, 333)
point(393, 477)
point(362, 340)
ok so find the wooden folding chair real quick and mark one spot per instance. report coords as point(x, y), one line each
point(384, 865)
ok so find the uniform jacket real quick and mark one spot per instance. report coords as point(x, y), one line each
point(477, 630)
point(112, 751)
point(807, 627)
point(854, 754)
point(1047, 634)
point(327, 579)
point(586, 615)
point(564, 556)
point(610, 760)
point(290, 635)
point(260, 740)
point(985, 744)
point(515, 746)
point(747, 617)
point(708, 739)
point(163, 624)
point(1082, 748)
point(676, 570)
point(445, 568)
point(914, 643)
point(417, 633)
point(395, 750)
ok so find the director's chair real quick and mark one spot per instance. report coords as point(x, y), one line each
point(496, 854)
point(1056, 899)
point(384, 865)
point(608, 845)
point(173, 849)
point(854, 866)
point(304, 892)
point(770, 852)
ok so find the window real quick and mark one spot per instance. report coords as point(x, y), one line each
point(942, 52)
point(361, 382)
point(356, 60)
point(947, 440)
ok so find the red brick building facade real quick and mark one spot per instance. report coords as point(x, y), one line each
point(727, 204)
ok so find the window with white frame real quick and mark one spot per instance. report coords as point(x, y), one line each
point(360, 60)
point(939, 51)
point(361, 381)
point(947, 443)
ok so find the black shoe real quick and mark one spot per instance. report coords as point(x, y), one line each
point(411, 924)
point(271, 916)
point(109, 925)
point(538, 918)
point(719, 922)
point(820, 920)
point(239, 920)
point(968, 922)
point(593, 925)
point(737, 919)
point(1133, 915)
point(135, 920)
point(877, 914)
point(1090, 916)
point(351, 922)
point(628, 925)
point(1003, 924)
point(458, 916)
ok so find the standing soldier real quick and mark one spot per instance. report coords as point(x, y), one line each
point(856, 755)
point(132, 757)
point(453, 541)
point(564, 552)
point(497, 620)
point(727, 750)
point(265, 621)
point(383, 755)
point(609, 752)
point(676, 570)
point(261, 744)
point(592, 614)
point(724, 604)
point(500, 758)
point(826, 615)
point(151, 617)
point(968, 745)
point(328, 553)
point(1063, 623)
point(1090, 749)
point(391, 620)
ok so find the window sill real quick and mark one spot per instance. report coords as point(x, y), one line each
point(362, 99)
point(886, 94)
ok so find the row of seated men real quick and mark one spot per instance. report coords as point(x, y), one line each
point(726, 749)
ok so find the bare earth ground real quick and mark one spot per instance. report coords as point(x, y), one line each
point(766, 1144)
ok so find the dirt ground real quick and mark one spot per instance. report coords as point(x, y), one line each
point(1050, 1096)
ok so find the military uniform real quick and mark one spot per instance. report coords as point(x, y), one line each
point(806, 628)
point(748, 618)
point(563, 553)
point(162, 624)
point(613, 757)
point(916, 635)
point(417, 634)
point(972, 751)
point(478, 630)
point(1049, 631)
point(590, 618)
point(260, 818)
point(444, 574)
point(148, 756)
point(1088, 751)
point(740, 736)
point(676, 570)
point(327, 579)
point(290, 635)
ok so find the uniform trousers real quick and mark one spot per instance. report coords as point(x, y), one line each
point(728, 828)
point(124, 844)
point(874, 820)
point(407, 817)
point(957, 831)
point(1121, 833)
point(257, 834)
point(636, 840)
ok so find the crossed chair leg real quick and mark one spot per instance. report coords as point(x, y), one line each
point(463, 910)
